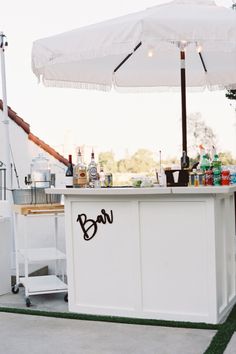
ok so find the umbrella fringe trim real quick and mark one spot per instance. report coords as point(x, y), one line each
point(107, 87)
point(172, 89)
point(76, 85)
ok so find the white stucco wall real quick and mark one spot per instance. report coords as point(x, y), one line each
point(23, 150)
point(40, 230)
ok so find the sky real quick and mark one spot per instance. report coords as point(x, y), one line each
point(107, 121)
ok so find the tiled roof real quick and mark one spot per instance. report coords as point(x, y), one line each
point(26, 127)
point(47, 148)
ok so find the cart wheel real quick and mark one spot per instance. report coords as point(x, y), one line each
point(27, 302)
point(66, 297)
point(15, 289)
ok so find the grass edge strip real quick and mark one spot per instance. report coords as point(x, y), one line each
point(114, 319)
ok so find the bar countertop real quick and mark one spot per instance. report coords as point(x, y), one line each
point(143, 191)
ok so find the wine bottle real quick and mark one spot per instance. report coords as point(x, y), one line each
point(69, 174)
point(80, 173)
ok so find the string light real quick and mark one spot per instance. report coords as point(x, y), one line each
point(182, 44)
point(150, 52)
point(198, 47)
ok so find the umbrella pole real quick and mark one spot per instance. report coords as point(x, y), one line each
point(184, 158)
point(5, 121)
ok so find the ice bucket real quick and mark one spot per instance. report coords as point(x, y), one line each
point(34, 196)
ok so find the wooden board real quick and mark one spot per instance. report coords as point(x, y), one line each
point(38, 209)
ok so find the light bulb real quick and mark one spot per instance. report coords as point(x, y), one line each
point(198, 47)
point(182, 45)
point(150, 52)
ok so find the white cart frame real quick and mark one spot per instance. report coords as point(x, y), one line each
point(36, 285)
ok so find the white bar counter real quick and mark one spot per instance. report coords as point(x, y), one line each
point(154, 253)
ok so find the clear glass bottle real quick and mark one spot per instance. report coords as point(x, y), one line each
point(102, 176)
point(92, 171)
point(69, 174)
point(80, 173)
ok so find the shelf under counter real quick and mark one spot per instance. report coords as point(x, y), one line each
point(42, 254)
point(44, 284)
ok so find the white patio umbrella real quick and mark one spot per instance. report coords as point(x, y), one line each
point(146, 51)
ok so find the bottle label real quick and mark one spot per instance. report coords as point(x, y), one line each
point(93, 173)
point(225, 178)
point(68, 181)
point(80, 179)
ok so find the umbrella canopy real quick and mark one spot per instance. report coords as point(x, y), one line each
point(141, 51)
point(88, 56)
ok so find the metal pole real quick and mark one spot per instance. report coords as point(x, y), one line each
point(5, 121)
point(183, 101)
point(233, 105)
point(235, 127)
point(184, 159)
point(234, 8)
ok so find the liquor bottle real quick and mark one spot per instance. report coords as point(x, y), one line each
point(92, 171)
point(80, 173)
point(69, 174)
point(184, 161)
point(102, 176)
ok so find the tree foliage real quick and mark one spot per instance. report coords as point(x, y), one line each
point(226, 158)
point(231, 94)
point(199, 134)
point(141, 161)
point(125, 165)
point(107, 161)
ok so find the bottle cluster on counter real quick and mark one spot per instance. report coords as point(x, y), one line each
point(82, 176)
point(211, 172)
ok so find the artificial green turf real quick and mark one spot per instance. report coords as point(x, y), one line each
point(217, 345)
point(223, 335)
point(115, 319)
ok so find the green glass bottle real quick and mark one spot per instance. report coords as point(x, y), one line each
point(216, 168)
point(205, 163)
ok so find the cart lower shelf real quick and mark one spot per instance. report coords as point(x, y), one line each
point(41, 254)
point(46, 284)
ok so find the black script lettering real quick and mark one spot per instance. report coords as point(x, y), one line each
point(107, 217)
point(100, 220)
point(90, 224)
